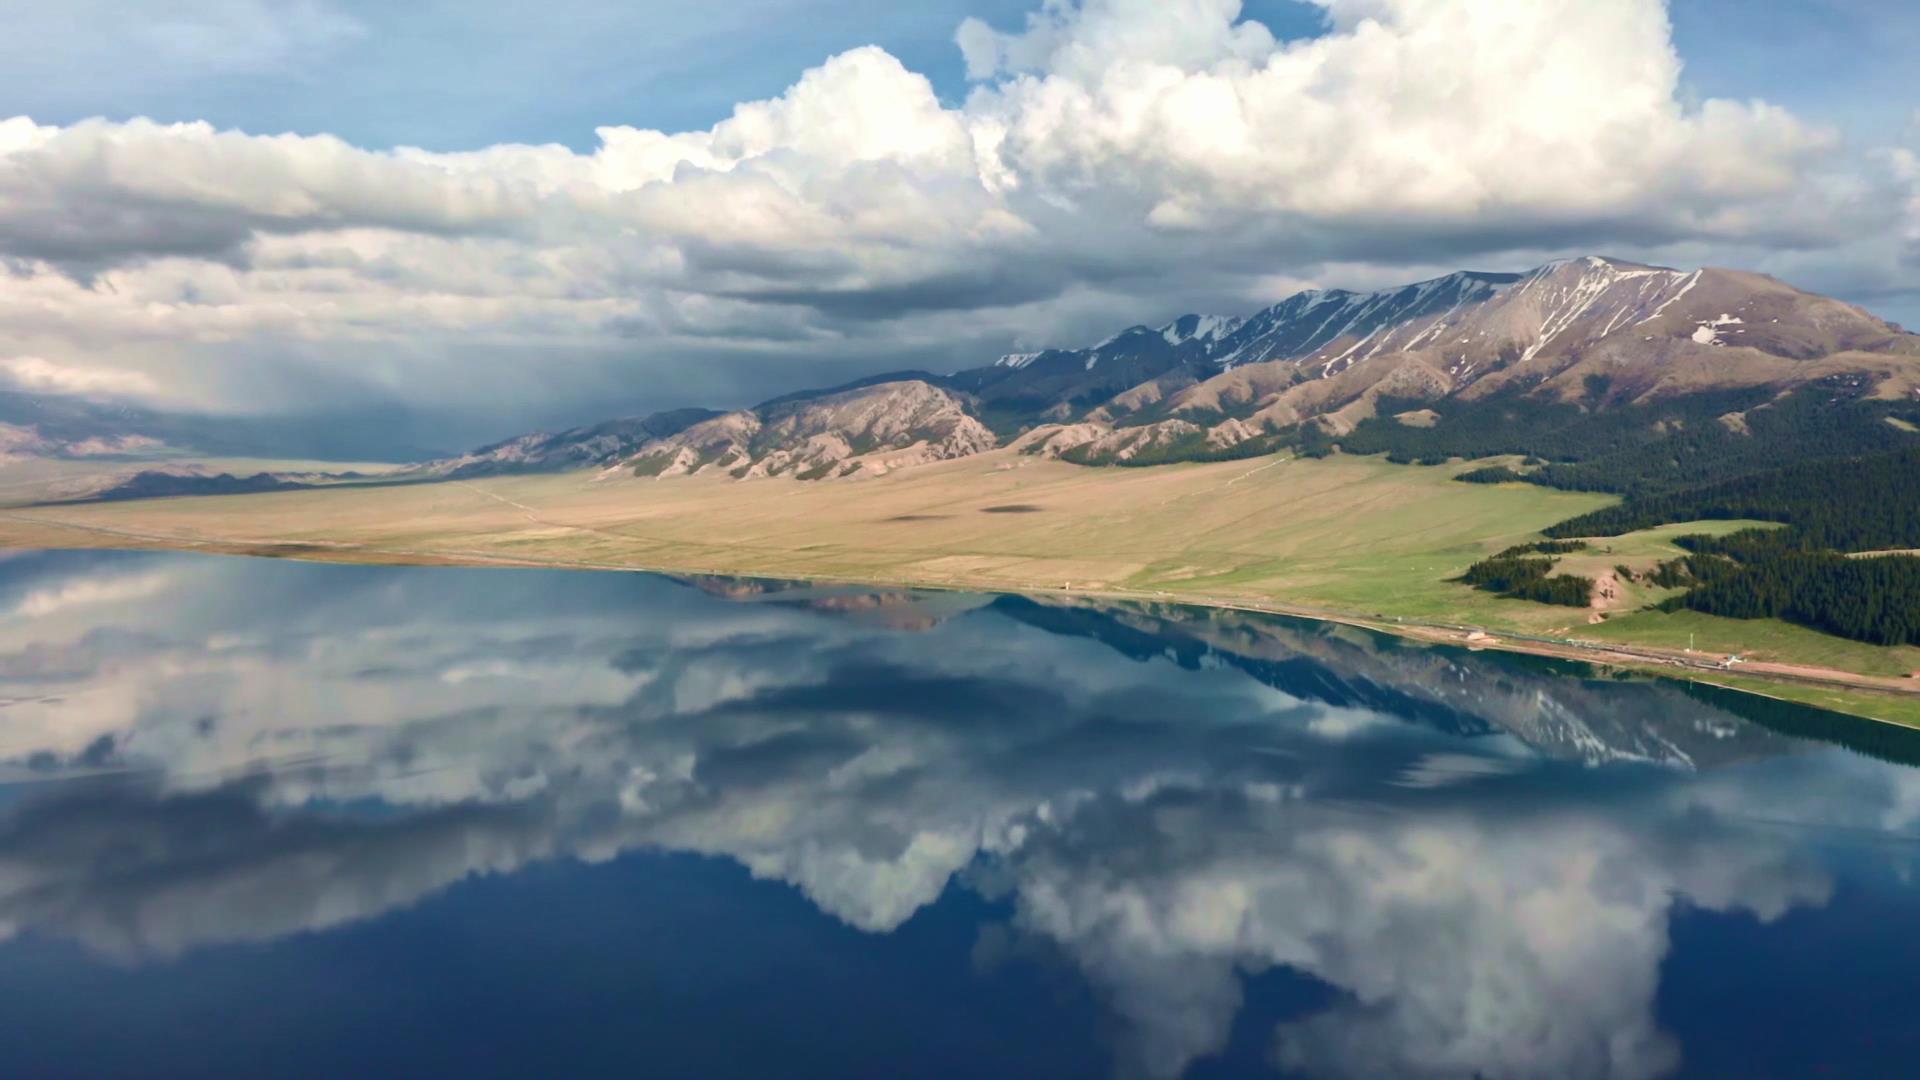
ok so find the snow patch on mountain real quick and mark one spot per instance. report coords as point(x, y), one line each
point(1708, 331)
point(1310, 321)
point(1204, 329)
point(1601, 287)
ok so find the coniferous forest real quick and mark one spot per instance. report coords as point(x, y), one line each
point(1529, 578)
point(1805, 571)
point(1875, 599)
point(1830, 472)
point(1526, 573)
point(1860, 503)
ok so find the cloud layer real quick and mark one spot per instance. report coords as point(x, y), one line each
point(1113, 160)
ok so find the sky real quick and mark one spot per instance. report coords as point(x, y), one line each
point(502, 216)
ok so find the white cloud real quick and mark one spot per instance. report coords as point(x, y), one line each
point(1410, 111)
point(1114, 156)
point(90, 591)
point(37, 373)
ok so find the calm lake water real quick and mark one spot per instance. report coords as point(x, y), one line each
point(264, 818)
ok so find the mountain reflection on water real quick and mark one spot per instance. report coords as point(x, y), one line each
point(1387, 858)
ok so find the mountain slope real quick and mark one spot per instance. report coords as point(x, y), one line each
point(1059, 383)
point(1637, 333)
point(867, 430)
point(1595, 335)
point(577, 448)
point(1310, 322)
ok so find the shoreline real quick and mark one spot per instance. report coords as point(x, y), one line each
point(1752, 678)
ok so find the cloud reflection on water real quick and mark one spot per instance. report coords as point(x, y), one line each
point(251, 750)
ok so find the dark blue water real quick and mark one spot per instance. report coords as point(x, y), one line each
point(270, 819)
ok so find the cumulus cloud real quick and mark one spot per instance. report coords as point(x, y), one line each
point(40, 374)
point(310, 877)
point(1112, 157)
point(1413, 112)
point(102, 191)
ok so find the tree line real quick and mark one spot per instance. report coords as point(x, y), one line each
point(1525, 577)
point(1801, 572)
point(1874, 599)
point(1822, 463)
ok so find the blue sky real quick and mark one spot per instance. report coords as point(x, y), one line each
point(1849, 62)
point(449, 75)
point(1104, 162)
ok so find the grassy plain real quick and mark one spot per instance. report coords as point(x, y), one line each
point(1357, 536)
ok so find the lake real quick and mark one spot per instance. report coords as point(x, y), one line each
point(272, 818)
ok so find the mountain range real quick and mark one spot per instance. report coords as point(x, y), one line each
point(1592, 334)
point(1554, 361)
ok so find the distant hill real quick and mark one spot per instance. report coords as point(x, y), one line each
point(65, 426)
point(577, 448)
point(867, 430)
point(167, 481)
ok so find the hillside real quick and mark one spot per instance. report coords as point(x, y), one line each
point(1596, 333)
point(1652, 347)
point(577, 448)
point(868, 430)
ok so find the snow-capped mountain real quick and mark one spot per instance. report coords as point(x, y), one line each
point(1056, 383)
point(1645, 331)
point(1203, 332)
point(1208, 331)
point(1310, 321)
point(1598, 332)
